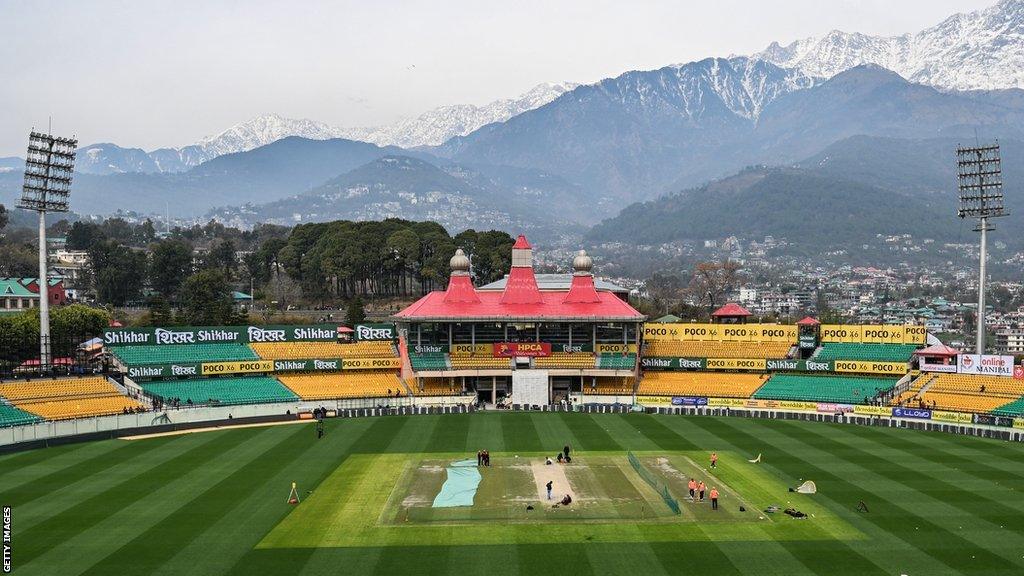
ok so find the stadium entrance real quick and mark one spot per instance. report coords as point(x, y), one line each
point(523, 343)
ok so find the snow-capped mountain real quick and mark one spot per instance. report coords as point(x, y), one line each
point(430, 128)
point(981, 50)
point(441, 124)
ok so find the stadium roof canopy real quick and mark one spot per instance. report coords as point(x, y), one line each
point(731, 309)
point(557, 282)
point(937, 350)
point(521, 298)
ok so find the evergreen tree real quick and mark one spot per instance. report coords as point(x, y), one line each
point(355, 313)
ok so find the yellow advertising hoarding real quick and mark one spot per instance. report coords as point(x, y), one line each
point(864, 367)
point(873, 410)
point(472, 349)
point(952, 417)
point(248, 366)
point(762, 404)
point(370, 363)
point(721, 332)
point(736, 364)
point(615, 348)
point(873, 334)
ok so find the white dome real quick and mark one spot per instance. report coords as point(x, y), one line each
point(459, 263)
point(582, 264)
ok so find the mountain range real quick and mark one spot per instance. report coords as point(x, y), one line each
point(431, 128)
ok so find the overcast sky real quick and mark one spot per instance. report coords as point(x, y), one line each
point(152, 74)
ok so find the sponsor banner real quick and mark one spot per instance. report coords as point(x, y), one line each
point(689, 401)
point(163, 371)
point(936, 367)
point(877, 334)
point(428, 348)
point(808, 342)
point(615, 349)
point(472, 349)
point(520, 349)
point(784, 365)
point(952, 417)
point(662, 363)
point(371, 363)
point(991, 420)
point(830, 408)
point(873, 410)
point(573, 349)
point(219, 334)
point(901, 412)
point(735, 364)
point(762, 404)
point(1018, 422)
point(1018, 372)
point(248, 366)
point(863, 367)
point(310, 365)
point(721, 332)
point(991, 365)
point(375, 332)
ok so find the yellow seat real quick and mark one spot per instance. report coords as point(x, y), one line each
point(712, 384)
point(707, 349)
point(65, 398)
point(354, 384)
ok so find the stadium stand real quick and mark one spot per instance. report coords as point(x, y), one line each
point(480, 363)
point(1015, 408)
point(841, 389)
point(11, 416)
point(966, 392)
point(616, 361)
point(438, 387)
point(66, 398)
point(712, 384)
point(221, 390)
point(355, 384)
point(914, 389)
point(572, 360)
point(428, 362)
point(611, 386)
point(865, 352)
point(138, 355)
point(718, 349)
point(299, 350)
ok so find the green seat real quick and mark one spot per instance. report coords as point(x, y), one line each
point(222, 391)
point(827, 388)
point(1015, 408)
point(616, 361)
point(428, 362)
point(183, 353)
point(865, 352)
point(11, 416)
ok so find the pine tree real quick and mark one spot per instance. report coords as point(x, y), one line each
point(355, 313)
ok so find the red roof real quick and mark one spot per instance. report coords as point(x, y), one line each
point(460, 290)
point(937, 350)
point(521, 243)
point(582, 290)
point(731, 309)
point(808, 321)
point(551, 306)
point(521, 287)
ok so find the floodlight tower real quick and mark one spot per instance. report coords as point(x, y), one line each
point(49, 166)
point(980, 177)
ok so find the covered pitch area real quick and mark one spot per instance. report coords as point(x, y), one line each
point(216, 502)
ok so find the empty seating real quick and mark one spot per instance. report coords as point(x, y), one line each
point(840, 389)
point(718, 349)
point(221, 391)
point(368, 349)
point(714, 384)
point(967, 393)
point(439, 387)
point(614, 386)
point(616, 361)
point(137, 355)
point(12, 416)
point(298, 350)
point(914, 389)
point(865, 352)
point(62, 398)
point(355, 384)
point(572, 360)
point(480, 363)
point(1015, 408)
point(428, 362)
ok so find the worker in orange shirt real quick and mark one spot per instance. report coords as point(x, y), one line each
point(692, 485)
point(714, 459)
point(714, 498)
point(700, 489)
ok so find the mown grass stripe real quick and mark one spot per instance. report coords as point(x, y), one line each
point(936, 541)
point(519, 432)
point(25, 461)
point(121, 492)
point(167, 537)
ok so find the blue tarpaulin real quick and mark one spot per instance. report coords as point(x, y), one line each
point(460, 486)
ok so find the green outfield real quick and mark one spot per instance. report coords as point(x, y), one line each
point(216, 502)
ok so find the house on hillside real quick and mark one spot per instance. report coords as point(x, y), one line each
point(23, 293)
